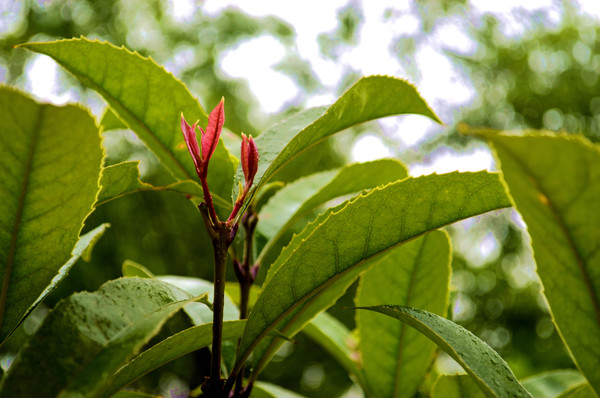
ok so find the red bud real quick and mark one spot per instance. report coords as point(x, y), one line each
point(189, 135)
point(249, 155)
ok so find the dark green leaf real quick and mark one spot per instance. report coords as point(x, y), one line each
point(169, 349)
point(342, 241)
point(482, 363)
point(90, 336)
point(50, 161)
point(555, 183)
point(149, 100)
point(395, 357)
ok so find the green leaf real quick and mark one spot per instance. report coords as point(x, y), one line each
point(460, 386)
point(50, 160)
point(82, 250)
point(583, 391)
point(173, 347)
point(199, 313)
point(268, 390)
point(124, 178)
point(554, 180)
point(89, 336)
point(554, 383)
point(336, 339)
point(110, 121)
point(131, 269)
point(340, 243)
point(395, 358)
point(370, 98)
point(298, 198)
point(149, 100)
point(482, 363)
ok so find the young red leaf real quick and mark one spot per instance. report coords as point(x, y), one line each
point(210, 138)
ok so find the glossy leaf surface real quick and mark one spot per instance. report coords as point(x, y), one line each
point(396, 357)
point(298, 198)
point(482, 363)
point(50, 161)
point(89, 336)
point(343, 240)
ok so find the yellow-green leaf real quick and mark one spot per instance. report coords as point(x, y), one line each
point(395, 357)
point(149, 100)
point(555, 183)
point(50, 161)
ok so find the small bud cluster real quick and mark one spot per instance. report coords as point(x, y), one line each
point(209, 141)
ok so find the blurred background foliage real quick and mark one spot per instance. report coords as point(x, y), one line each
point(521, 68)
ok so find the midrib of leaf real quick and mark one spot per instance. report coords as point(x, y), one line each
point(21, 204)
point(403, 326)
point(561, 224)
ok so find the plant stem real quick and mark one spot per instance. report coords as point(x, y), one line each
point(245, 279)
point(220, 248)
point(220, 235)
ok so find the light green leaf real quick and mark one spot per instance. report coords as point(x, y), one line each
point(298, 198)
point(199, 313)
point(90, 336)
point(124, 178)
point(555, 183)
point(342, 241)
point(460, 386)
point(482, 363)
point(268, 390)
point(149, 100)
point(335, 338)
point(131, 269)
point(395, 357)
point(554, 383)
point(583, 391)
point(173, 347)
point(50, 161)
point(110, 121)
point(370, 98)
